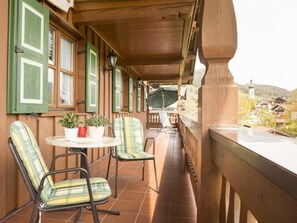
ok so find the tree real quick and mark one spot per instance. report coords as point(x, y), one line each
point(266, 118)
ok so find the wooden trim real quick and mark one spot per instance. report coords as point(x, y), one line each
point(67, 27)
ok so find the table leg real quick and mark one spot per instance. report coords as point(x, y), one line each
point(83, 163)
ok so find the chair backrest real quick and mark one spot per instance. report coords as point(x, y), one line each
point(164, 119)
point(26, 149)
point(130, 131)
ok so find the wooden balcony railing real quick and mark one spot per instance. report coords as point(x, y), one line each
point(153, 119)
point(257, 173)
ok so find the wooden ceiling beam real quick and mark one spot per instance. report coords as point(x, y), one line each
point(190, 25)
point(116, 13)
point(159, 77)
point(108, 5)
point(154, 61)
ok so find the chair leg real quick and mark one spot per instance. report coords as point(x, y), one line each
point(108, 165)
point(34, 213)
point(38, 218)
point(95, 213)
point(143, 165)
point(116, 178)
point(155, 168)
point(77, 217)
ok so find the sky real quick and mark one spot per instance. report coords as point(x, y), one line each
point(267, 43)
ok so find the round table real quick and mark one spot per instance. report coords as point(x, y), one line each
point(82, 144)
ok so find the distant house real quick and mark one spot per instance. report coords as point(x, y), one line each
point(266, 103)
point(280, 100)
point(285, 111)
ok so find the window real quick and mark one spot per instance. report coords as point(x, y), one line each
point(116, 89)
point(61, 70)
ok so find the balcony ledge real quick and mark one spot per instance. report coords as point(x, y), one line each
point(272, 155)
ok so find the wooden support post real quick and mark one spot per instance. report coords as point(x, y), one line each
point(179, 95)
point(217, 96)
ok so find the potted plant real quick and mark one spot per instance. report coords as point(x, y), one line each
point(70, 121)
point(96, 125)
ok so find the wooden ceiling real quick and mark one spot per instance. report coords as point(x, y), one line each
point(156, 38)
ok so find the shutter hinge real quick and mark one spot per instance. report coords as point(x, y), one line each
point(18, 49)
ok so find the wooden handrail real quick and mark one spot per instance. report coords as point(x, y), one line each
point(258, 172)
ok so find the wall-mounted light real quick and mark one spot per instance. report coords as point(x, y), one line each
point(112, 60)
point(138, 82)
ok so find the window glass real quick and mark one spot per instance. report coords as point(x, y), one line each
point(66, 89)
point(51, 86)
point(66, 54)
point(51, 46)
point(61, 72)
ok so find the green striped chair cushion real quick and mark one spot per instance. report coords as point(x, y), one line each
point(135, 155)
point(130, 131)
point(29, 153)
point(75, 191)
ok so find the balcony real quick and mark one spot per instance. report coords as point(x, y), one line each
point(211, 171)
point(137, 200)
point(252, 174)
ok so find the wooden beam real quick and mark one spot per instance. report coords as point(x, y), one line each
point(94, 5)
point(159, 77)
point(152, 61)
point(189, 26)
point(116, 13)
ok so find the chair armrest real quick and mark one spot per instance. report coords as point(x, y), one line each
point(70, 154)
point(86, 174)
point(146, 141)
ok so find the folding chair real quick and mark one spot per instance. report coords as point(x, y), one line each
point(166, 125)
point(130, 131)
point(47, 195)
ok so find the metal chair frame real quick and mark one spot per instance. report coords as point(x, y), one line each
point(38, 206)
point(113, 153)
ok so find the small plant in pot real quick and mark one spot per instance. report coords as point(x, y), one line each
point(70, 121)
point(96, 125)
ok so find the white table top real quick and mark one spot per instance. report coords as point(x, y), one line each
point(82, 142)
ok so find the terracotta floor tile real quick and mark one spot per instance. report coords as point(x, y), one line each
point(22, 219)
point(155, 209)
point(59, 215)
point(145, 218)
point(124, 217)
point(25, 210)
point(183, 211)
point(161, 198)
point(180, 199)
point(131, 196)
point(127, 206)
point(183, 220)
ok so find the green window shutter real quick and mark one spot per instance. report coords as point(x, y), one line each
point(144, 98)
point(130, 99)
point(116, 89)
point(91, 78)
point(28, 57)
point(138, 99)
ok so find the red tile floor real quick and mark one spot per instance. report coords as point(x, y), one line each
point(137, 200)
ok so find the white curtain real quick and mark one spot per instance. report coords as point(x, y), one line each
point(66, 89)
point(66, 55)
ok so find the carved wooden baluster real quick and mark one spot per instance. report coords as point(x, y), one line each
point(217, 96)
